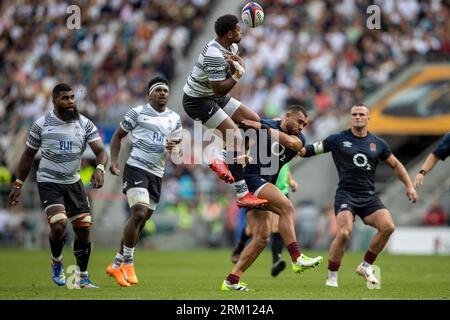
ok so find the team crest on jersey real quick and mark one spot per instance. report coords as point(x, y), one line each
point(373, 147)
point(347, 144)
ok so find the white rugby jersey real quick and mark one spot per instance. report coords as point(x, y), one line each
point(62, 144)
point(210, 65)
point(149, 132)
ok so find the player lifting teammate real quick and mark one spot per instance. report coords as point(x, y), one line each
point(283, 140)
point(216, 71)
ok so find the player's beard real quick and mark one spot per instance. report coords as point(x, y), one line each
point(290, 125)
point(68, 114)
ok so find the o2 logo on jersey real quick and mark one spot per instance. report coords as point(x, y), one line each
point(158, 137)
point(360, 160)
point(278, 150)
point(65, 145)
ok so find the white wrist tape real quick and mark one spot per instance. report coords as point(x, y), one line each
point(240, 69)
point(101, 168)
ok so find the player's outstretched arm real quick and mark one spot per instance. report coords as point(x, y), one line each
point(116, 140)
point(25, 164)
point(402, 174)
point(429, 163)
point(312, 150)
point(98, 177)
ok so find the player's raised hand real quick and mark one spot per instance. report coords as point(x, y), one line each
point(237, 66)
point(418, 180)
point(411, 194)
point(114, 168)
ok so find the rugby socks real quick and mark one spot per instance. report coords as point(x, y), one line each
point(56, 248)
point(232, 279)
point(333, 266)
point(369, 257)
point(294, 251)
point(82, 252)
point(277, 246)
point(117, 261)
point(128, 255)
point(241, 188)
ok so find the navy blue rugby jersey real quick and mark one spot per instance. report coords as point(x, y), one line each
point(356, 159)
point(270, 156)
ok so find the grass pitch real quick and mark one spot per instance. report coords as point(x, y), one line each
point(198, 274)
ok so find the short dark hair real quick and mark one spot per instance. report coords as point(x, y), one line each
point(224, 24)
point(156, 80)
point(60, 87)
point(298, 108)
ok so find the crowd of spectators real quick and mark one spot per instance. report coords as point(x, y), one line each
point(120, 45)
point(323, 55)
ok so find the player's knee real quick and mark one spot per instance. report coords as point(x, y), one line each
point(58, 220)
point(344, 235)
point(388, 229)
point(83, 220)
point(262, 239)
point(139, 214)
point(287, 208)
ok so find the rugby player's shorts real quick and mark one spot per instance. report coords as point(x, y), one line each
point(255, 183)
point(72, 196)
point(134, 177)
point(358, 205)
point(211, 111)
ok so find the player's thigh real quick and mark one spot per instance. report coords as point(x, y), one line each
point(259, 222)
point(344, 221)
point(380, 219)
point(278, 202)
point(243, 112)
point(76, 199)
point(52, 200)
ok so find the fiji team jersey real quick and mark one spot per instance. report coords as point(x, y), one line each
point(210, 65)
point(270, 156)
point(356, 160)
point(62, 144)
point(443, 149)
point(149, 132)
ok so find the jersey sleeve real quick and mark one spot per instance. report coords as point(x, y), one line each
point(302, 138)
point(130, 120)
point(34, 136)
point(330, 143)
point(385, 151)
point(91, 131)
point(215, 65)
point(442, 151)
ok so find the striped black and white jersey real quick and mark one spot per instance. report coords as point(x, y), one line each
point(149, 132)
point(62, 145)
point(211, 65)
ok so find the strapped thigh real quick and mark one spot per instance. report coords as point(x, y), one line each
point(81, 220)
